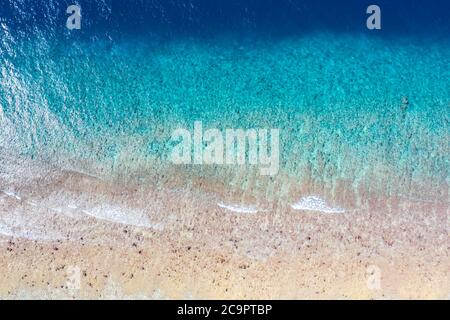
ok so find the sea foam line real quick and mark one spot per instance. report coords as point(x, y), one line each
point(314, 203)
point(238, 208)
point(108, 213)
point(12, 194)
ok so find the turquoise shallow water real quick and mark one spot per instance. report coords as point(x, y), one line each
point(349, 108)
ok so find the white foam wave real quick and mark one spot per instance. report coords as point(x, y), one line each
point(238, 208)
point(313, 203)
point(80, 206)
point(12, 194)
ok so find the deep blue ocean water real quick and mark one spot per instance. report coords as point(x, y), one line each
point(112, 92)
point(172, 19)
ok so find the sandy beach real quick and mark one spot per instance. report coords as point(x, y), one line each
point(182, 244)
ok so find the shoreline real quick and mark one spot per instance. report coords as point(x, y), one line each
point(278, 253)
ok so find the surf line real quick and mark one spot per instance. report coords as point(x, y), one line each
point(314, 203)
point(238, 208)
point(12, 195)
